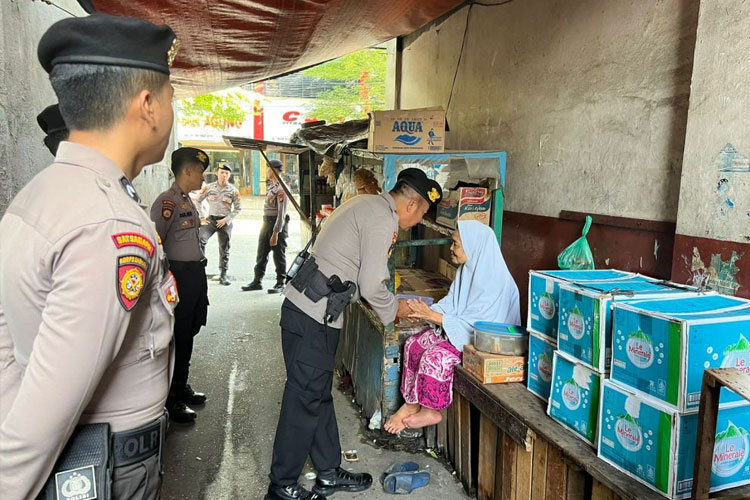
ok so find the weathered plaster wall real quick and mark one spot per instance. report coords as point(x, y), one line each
point(589, 98)
point(713, 224)
point(25, 91)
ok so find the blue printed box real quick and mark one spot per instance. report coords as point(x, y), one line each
point(656, 445)
point(585, 329)
point(541, 352)
point(574, 397)
point(661, 347)
point(543, 295)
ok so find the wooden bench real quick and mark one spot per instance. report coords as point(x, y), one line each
point(503, 446)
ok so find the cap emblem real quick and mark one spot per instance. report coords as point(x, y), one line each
point(433, 195)
point(173, 51)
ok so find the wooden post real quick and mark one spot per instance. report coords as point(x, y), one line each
point(487, 458)
point(704, 450)
point(539, 471)
point(576, 483)
point(556, 474)
point(510, 464)
point(524, 472)
point(601, 492)
point(499, 465)
point(467, 476)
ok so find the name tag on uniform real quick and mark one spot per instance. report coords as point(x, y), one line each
point(76, 484)
point(228, 200)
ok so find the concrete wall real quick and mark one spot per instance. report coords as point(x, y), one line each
point(589, 98)
point(25, 91)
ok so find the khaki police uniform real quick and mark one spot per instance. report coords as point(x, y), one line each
point(223, 202)
point(86, 318)
point(275, 220)
point(354, 244)
point(177, 222)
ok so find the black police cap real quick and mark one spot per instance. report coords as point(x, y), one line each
point(275, 164)
point(110, 41)
point(427, 188)
point(50, 120)
point(194, 155)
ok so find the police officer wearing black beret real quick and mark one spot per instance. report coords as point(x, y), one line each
point(52, 124)
point(177, 222)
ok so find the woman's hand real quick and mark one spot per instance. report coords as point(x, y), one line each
point(420, 310)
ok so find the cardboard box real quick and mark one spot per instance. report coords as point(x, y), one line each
point(544, 292)
point(466, 203)
point(656, 445)
point(661, 347)
point(574, 397)
point(541, 353)
point(493, 368)
point(407, 131)
point(418, 281)
point(585, 328)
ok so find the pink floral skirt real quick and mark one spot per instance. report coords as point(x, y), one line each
point(427, 371)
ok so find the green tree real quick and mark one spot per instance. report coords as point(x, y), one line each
point(362, 74)
point(229, 107)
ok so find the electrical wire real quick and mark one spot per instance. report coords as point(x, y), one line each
point(49, 2)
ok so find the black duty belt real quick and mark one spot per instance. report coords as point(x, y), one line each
point(217, 217)
point(185, 265)
point(136, 445)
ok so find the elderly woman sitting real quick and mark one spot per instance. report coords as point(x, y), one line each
point(483, 290)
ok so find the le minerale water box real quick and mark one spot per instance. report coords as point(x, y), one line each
point(541, 352)
point(661, 347)
point(543, 295)
point(656, 445)
point(574, 397)
point(585, 329)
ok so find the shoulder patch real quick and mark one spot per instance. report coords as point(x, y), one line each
point(393, 244)
point(134, 240)
point(281, 195)
point(131, 279)
point(167, 209)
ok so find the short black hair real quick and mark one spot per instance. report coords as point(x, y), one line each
point(404, 189)
point(180, 165)
point(96, 97)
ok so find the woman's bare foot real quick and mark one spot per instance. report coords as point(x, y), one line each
point(423, 418)
point(395, 424)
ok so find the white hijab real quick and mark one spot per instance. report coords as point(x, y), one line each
point(483, 289)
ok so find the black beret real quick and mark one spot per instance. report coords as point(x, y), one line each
point(50, 120)
point(275, 164)
point(427, 188)
point(110, 41)
point(194, 155)
point(224, 166)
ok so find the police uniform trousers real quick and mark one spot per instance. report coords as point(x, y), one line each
point(225, 237)
point(307, 423)
point(264, 248)
point(190, 315)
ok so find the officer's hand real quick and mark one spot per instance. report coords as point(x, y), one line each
point(221, 223)
point(274, 239)
point(403, 309)
point(204, 221)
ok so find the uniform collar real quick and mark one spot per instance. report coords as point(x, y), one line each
point(391, 202)
point(177, 189)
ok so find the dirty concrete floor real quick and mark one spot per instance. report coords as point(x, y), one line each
point(237, 361)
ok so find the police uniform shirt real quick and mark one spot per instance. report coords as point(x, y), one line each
point(222, 201)
point(86, 313)
point(177, 222)
point(276, 205)
point(354, 244)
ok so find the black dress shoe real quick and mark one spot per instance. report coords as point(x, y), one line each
point(332, 480)
point(252, 286)
point(190, 397)
point(292, 492)
point(278, 288)
point(180, 413)
point(223, 280)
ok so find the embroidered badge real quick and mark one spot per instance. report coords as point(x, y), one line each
point(158, 238)
point(281, 196)
point(131, 278)
point(201, 157)
point(172, 53)
point(184, 206)
point(433, 195)
point(76, 484)
point(167, 209)
point(393, 243)
point(172, 296)
point(188, 223)
point(133, 240)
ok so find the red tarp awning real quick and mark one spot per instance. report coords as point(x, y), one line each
point(225, 43)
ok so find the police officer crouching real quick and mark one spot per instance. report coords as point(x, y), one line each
point(349, 259)
point(177, 221)
point(86, 298)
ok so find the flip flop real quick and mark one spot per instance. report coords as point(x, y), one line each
point(403, 483)
point(399, 467)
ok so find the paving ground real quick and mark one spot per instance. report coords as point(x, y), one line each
point(238, 362)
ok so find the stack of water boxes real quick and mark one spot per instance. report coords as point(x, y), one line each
point(649, 408)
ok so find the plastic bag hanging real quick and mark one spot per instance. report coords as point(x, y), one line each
point(578, 255)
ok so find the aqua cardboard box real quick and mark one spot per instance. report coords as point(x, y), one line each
point(656, 445)
point(541, 352)
point(466, 203)
point(661, 347)
point(407, 131)
point(574, 397)
point(585, 328)
point(544, 289)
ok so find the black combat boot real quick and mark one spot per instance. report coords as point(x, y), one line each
point(332, 480)
point(189, 396)
point(252, 286)
point(278, 287)
point(179, 412)
point(292, 492)
point(223, 279)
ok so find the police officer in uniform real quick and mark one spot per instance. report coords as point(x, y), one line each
point(52, 124)
point(86, 296)
point(274, 231)
point(177, 222)
point(223, 206)
point(353, 245)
